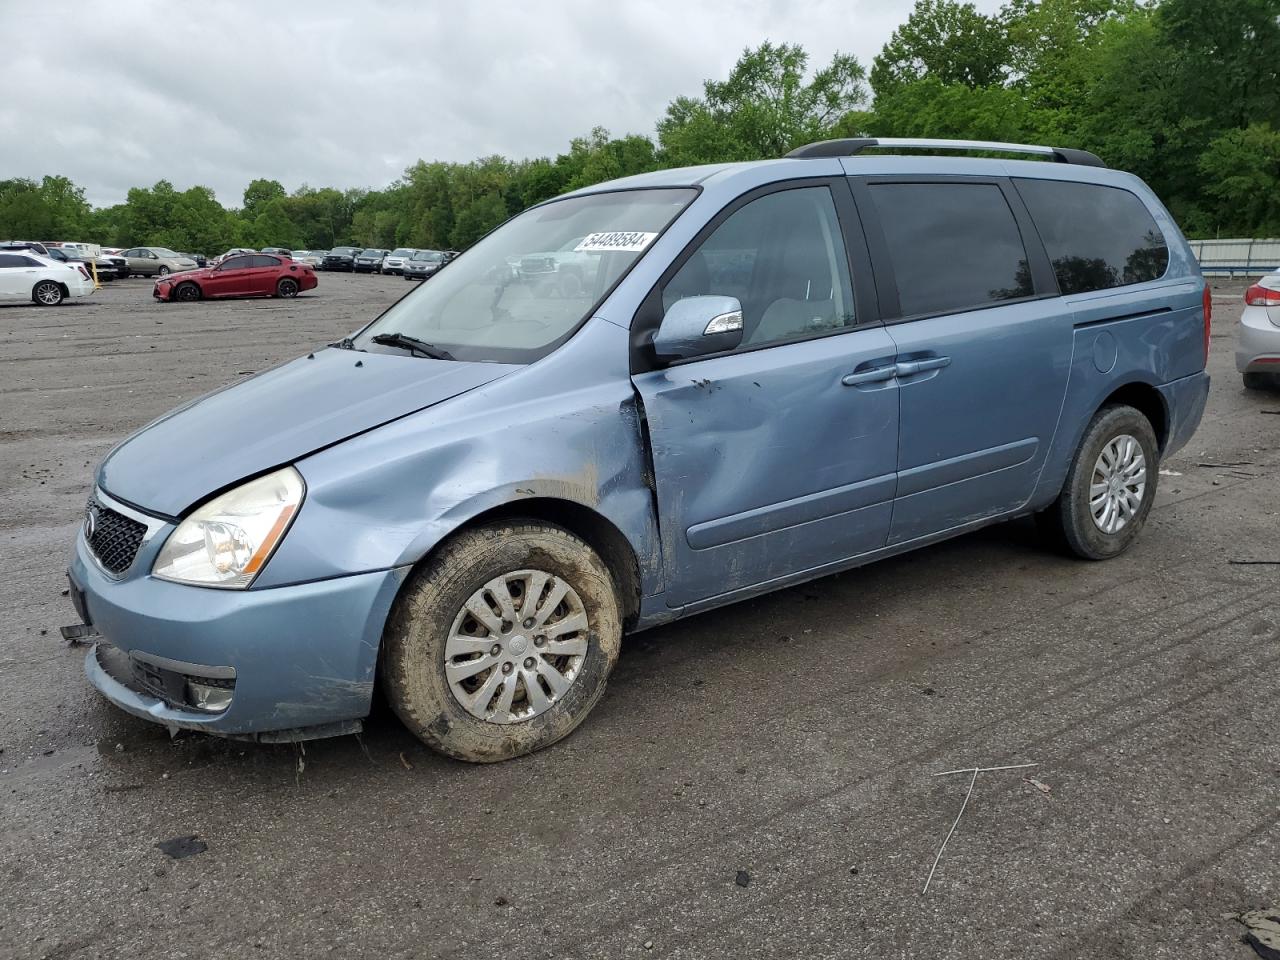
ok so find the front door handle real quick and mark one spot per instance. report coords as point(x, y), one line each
point(909, 367)
point(874, 375)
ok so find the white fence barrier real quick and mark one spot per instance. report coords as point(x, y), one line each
point(1237, 257)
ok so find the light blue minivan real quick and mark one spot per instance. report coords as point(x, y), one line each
point(642, 400)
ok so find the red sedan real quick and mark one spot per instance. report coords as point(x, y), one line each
point(244, 275)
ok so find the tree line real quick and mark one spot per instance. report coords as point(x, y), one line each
point(1184, 93)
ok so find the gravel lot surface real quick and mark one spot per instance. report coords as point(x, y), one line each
point(757, 781)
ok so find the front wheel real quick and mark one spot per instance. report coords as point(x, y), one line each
point(1110, 485)
point(187, 292)
point(46, 293)
point(287, 287)
point(502, 642)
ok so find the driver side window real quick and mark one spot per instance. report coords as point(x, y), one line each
point(783, 257)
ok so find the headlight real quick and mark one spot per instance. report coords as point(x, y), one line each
point(228, 540)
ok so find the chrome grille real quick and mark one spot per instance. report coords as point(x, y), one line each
point(113, 537)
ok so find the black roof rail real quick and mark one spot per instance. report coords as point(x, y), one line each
point(852, 146)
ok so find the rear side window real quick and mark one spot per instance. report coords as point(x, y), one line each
point(1097, 237)
point(262, 261)
point(954, 246)
point(12, 260)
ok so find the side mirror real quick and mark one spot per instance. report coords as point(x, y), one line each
point(697, 326)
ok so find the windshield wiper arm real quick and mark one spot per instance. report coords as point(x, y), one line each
point(346, 343)
point(406, 342)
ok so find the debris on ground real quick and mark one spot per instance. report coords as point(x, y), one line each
point(972, 781)
point(1170, 473)
point(742, 879)
point(1247, 563)
point(180, 847)
point(1039, 785)
point(1228, 463)
point(406, 763)
point(1262, 931)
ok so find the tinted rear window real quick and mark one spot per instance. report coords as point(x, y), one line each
point(1097, 237)
point(954, 246)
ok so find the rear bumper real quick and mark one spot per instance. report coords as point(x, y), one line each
point(1258, 343)
point(299, 658)
point(1185, 400)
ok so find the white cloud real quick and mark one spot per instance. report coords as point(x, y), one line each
point(349, 94)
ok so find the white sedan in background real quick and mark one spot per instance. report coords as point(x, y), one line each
point(1258, 348)
point(28, 276)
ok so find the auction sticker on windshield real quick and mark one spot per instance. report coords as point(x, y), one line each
point(617, 241)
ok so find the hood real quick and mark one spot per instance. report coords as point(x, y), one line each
point(277, 418)
point(199, 273)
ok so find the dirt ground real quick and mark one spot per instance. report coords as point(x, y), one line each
point(758, 782)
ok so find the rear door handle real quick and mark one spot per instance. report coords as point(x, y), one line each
point(909, 367)
point(875, 375)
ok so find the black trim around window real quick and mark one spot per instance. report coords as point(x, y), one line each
point(1043, 280)
point(648, 316)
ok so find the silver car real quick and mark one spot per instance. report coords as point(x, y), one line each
point(156, 261)
point(394, 261)
point(1258, 347)
point(423, 264)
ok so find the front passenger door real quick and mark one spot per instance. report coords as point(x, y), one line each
point(231, 278)
point(778, 457)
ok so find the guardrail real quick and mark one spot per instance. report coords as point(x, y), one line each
point(1242, 257)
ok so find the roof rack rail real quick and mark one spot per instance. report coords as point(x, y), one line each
point(853, 146)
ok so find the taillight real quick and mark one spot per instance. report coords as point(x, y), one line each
point(1260, 296)
point(83, 272)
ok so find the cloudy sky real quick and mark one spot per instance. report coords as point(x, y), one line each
point(348, 94)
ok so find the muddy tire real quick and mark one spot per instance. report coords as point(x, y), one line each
point(1109, 488)
point(501, 643)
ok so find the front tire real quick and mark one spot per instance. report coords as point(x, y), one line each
point(502, 642)
point(46, 293)
point(287, 287)
point(187, 292)
point(1110, 485)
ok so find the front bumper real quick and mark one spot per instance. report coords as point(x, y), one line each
point(302, 657)
point(1258, 345)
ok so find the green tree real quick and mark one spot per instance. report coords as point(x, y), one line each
point(949, 41)
point(259, 193)
point(765, 108)
point(1241, 171)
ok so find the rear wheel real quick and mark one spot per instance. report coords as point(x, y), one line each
point(187, 292)
point(1110, 485)
point(164, 271)
point(46, 293)
point(287, 287)
point(502, 642)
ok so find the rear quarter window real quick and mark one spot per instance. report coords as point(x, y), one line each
point(1098, 237)
point(953, 246)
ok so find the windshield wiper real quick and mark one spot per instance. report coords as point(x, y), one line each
point(346, 343)
point(406, 342)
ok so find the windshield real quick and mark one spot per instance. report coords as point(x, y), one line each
point(163, 252)
point(343, 252)
point(432, 255)
point(373, 253)
point(401, 252)
point(523, 289)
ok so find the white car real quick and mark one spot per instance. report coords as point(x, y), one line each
point(394, 261)
point(29, 276)
point(1258, 347)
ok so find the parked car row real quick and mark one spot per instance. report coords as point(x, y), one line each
point(400, 261)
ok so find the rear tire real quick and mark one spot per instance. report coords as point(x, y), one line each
point(287, 287)
point(1109, 488)
point(46, 293)
point(1261, 381)
point(432, 640)
point(164, 271)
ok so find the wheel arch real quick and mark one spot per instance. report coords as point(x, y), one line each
point(1148, 401)
point(597, 530)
